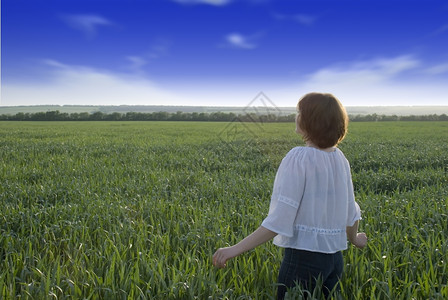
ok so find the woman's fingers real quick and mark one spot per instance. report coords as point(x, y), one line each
point(219, 259)
point(361, 240)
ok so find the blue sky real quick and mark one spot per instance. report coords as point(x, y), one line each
point(223, 52)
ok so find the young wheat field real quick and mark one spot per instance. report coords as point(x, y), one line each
point(135, 210)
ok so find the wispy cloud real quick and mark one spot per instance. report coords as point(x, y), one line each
point(381, 81)
point(69, 84)
point(209, 2)
point(239, 41)
point(304, 19)
point(84, 85)
point(374, 70)
point(438, 69)
point(86, 23)
point(441, 30)
point(137, 62)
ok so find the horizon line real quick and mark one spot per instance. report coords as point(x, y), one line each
point(173, 105)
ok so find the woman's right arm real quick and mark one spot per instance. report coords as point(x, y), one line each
point(256, 238)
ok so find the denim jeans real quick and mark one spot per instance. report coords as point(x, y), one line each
point(306, 268)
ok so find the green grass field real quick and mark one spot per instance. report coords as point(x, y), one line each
point(135, 210)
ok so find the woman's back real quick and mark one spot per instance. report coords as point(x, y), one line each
point(315, 185)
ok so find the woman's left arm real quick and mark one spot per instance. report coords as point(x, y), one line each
point(260, 236)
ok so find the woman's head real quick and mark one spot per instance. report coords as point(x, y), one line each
point(321, 119)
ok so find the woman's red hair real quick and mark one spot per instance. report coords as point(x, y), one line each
point(323, 119)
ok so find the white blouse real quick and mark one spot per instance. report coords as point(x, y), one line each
point(312, 201)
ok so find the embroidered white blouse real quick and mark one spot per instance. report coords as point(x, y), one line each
point(312, 201)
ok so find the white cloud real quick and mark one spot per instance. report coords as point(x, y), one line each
point(373, 82)
point(236, 40)
point(83, 85)
point(438, 69)
point(209, 2)
point(87, 23)
point(54, 63)
point(378, 82)
point(376, 70)
point(137, 62)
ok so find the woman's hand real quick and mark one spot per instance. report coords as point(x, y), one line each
point(360, 240)
point(222, 255)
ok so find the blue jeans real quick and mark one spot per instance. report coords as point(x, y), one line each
point(306, 268)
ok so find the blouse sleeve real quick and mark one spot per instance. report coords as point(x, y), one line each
point(286, 195)
point(354, 212)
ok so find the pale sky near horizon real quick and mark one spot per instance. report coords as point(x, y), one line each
point(223, 52)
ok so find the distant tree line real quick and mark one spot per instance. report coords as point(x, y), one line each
point(56, 115)
point(139, 116)
point(375, 117)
